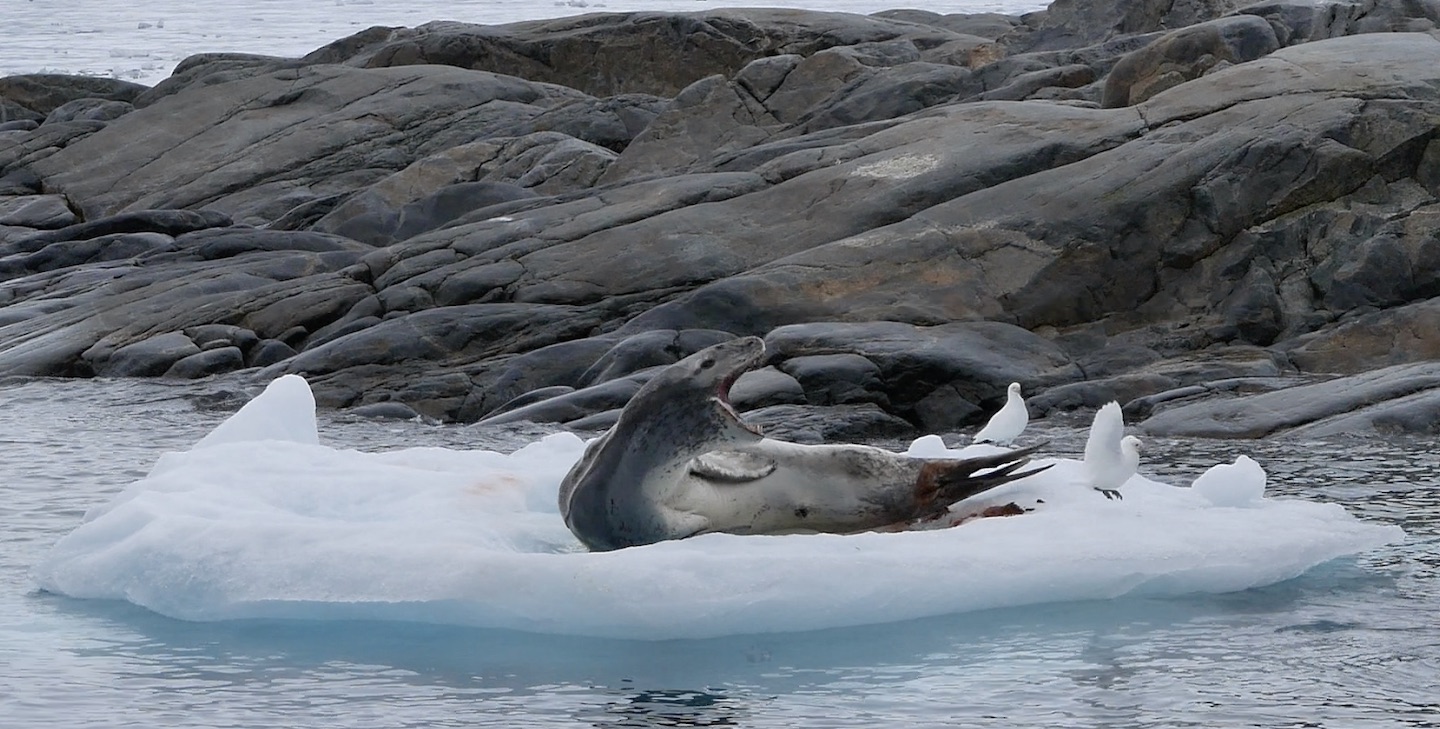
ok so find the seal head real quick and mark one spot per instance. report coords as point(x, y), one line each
point(616, 495)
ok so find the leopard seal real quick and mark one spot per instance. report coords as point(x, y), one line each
point(679, 462)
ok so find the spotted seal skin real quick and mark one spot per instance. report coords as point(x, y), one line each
point(681, 462)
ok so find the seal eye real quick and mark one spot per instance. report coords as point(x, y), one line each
point(707, 364)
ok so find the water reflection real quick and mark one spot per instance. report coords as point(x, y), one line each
point(663, 707)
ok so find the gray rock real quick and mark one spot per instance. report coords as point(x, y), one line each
point(344, 128)
point(19, 125)
point(598, 421)
point(270, 352)
point(36, 211)
point(1279, 202)
point(763, 76)
point(448, 185)
point(556, 365)
point(598, 53)
point(1073, 23)
point(933, 162)
point(28, 310)
point(472, 332)
point(22, 150)
point(1263, 123)
point(116, 247)
point(1254, 310)
point(1187, 54)
point(815, 79)
point(430, 394)
point(575, 405)
point(11, 233)
point(649, 349)
point(979, 359)
point(1417, 414)
point(290, 313)
point(168, 222)
point(1092, 394)
point(101, 110)
point(1400, 335)
point(947, 408)
point(1143, 407)
point(1114, 357)
point(565, 165)
point(893, 93)
point(101, 307)
point(610, 122)
point(823, 424)
point(532, 397)
point(984, 25)
point(451, 202)
point(344, 326)
point(146, 358)
point(968, 51)
point(1395, 265)
point(1028, 85)
point(1277, 412)
point(213, 244)
point(1302, 21)
point(20, 182)
point(765, 387)
point(709, 117)
point(227, 334)
point(42, 93)
point(837, 379)
point(209, 69)
point(386, 411)
point(308, 212)
point(207, 362)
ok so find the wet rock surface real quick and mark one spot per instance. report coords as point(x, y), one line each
point(1188, 207)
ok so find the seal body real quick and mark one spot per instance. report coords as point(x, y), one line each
point(680, 462)
point(777, 487)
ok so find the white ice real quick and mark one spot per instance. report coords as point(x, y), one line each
point(262, 522)
point(285, 411)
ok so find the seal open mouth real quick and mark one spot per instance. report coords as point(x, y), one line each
point(722, 387)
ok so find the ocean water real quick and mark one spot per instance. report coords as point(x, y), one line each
point(1350, 643)
point(142, 41)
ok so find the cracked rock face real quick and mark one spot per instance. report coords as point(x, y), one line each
point(914, 210)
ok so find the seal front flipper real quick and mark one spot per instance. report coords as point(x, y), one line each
point(732, 466)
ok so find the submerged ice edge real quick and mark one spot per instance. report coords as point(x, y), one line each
point(243, 528)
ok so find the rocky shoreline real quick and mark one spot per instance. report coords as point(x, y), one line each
point(1226, 215)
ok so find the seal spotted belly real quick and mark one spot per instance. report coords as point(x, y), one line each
point(680, 462)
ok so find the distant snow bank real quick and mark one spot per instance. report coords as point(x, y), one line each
point(259, 521)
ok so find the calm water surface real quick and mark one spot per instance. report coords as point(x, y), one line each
point(1351, 644)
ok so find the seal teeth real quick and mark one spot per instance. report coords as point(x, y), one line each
point(722, 390)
